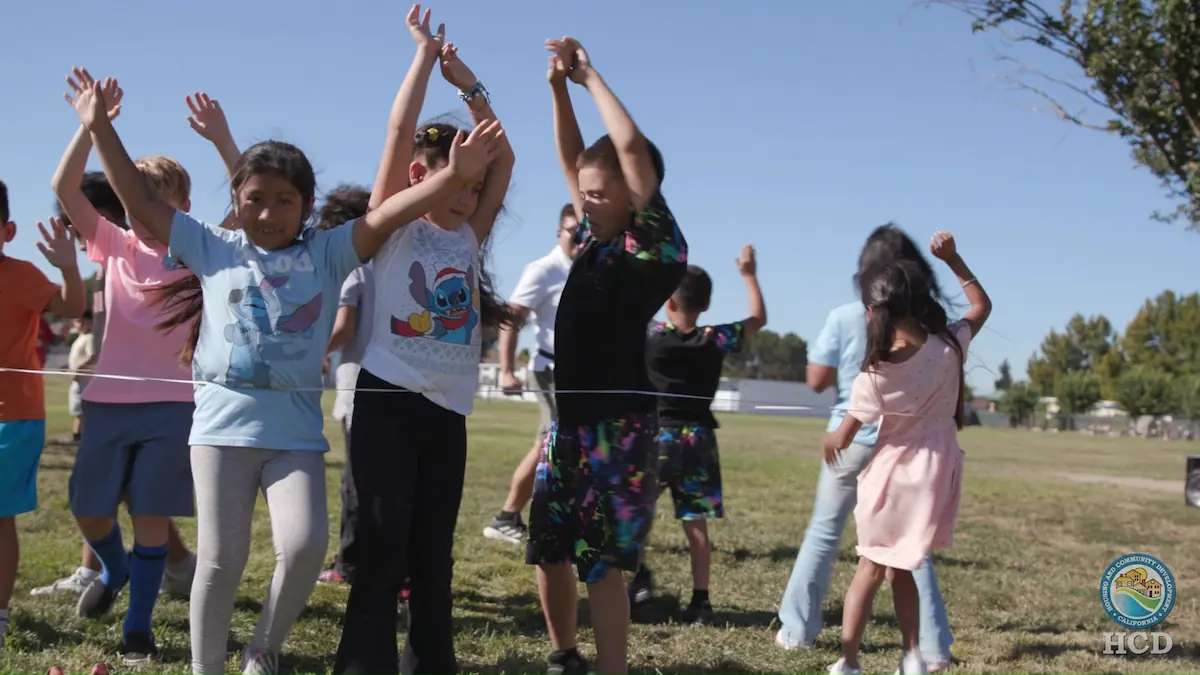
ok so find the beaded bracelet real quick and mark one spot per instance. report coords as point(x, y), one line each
point(474, 92)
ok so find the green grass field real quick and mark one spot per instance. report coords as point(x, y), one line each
point(1042, 516)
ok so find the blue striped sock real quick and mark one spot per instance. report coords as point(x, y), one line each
point(146, 567)
point(113, 558)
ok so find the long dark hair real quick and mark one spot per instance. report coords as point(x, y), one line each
point(182, 300)
point(904, 290)
point(431, 146)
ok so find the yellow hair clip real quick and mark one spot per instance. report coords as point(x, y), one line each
point(432, 132)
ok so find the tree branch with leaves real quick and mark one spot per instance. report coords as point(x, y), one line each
point(1139, 60)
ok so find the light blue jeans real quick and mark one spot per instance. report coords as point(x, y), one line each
point(800, 609)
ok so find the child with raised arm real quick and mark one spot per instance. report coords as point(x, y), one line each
point(28, 294)
point(593, 497)
point(264, 324)
point(181, 563)
point(685, 358)
point(419, 373)
point(908, 495)
point(136, 439)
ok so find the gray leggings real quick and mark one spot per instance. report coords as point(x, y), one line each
point(227, 484)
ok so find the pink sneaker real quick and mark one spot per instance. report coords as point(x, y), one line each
point(55, 670)
point(100, 669)
point(331, 576)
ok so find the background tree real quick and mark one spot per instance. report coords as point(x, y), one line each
point(1018, 402)
point(1145, 391)
point(770, 356)
point(1004, 381)
point(1080, 348)
point(1139, 58)
point(1076, 393)
point(1165, 335)
point(1187, 399)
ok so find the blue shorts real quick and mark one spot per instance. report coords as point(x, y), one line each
point(21, 444)
point(141, 448)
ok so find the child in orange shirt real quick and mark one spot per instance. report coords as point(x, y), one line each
point(26, 296)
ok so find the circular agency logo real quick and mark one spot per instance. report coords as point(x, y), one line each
point(1137, 590)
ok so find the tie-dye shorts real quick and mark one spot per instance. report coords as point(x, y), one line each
point(689, 465)
point(593, 497)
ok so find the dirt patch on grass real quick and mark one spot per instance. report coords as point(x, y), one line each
point(1152, 484)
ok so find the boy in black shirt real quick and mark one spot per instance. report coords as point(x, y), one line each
point(686, 359)
point(593, 495)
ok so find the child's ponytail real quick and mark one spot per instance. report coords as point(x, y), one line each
point(903, 289)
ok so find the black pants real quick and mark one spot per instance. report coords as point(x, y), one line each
point(408, 457)
point(344, 562)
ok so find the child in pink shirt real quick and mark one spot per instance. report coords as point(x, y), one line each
point(135, 433)
point(909, 493)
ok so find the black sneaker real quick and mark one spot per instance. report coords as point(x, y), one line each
point(96, 600)
point(699, 613)
point(138, 647)
point(567, 663)
point(510, 530)
point(641, 589)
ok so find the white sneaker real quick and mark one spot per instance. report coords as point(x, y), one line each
point(784, 643)
point(74, 584)
point(512, 531)
point(912, 664)
point(177, 579)
point(264, 663)
point(840, 668)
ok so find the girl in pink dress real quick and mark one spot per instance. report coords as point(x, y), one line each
point(908, 495)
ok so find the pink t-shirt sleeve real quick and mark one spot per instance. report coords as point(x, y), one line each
point(105, 242)
point(866, 403)
point(961, 331)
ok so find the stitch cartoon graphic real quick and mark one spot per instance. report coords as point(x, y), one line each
point(253, 308)
point(451, 307)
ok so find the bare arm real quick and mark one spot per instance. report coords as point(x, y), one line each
point(633, 153)
point(758, 308)
point(66, 185)
point(392, 176)
point(568, 140)
point(373, 229)
point(981, 304)
point(135, 193)
point(819, 377)
point(343, 328)
point(59, 247)
point(508, 339)
point(70, 302)
point(841, 437)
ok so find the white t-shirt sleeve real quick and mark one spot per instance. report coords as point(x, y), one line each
point(352, 289)
point(531, 288)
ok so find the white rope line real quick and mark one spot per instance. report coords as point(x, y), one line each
point(758, 405)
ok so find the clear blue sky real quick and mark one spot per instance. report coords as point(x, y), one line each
point(797, 127)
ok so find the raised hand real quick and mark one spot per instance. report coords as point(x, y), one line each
point(112, 96)
point(572, 55)
point(88, 97)
point(207, 118)
point(556, 70)
point(942, 246)
point(746, 263)
point(470, 158)
point(418, 25)
point(59, 247)
point(455, 71)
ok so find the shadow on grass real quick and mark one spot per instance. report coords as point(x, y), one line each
point(520, 613)
point(45, 635)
